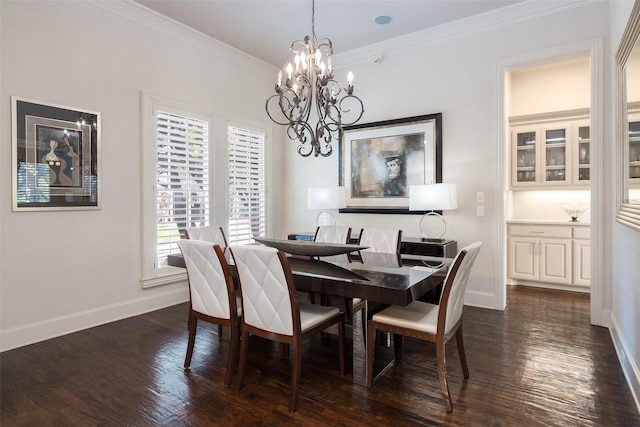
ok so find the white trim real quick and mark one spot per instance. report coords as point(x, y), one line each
point(51, 328)
point(599, 264)
point(480, 299)
point(505, 16)
point(629, 367)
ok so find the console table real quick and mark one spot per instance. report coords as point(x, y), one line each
point(408, 246)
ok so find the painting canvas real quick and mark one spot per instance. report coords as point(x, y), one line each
point(381, 160)
point(55, 157)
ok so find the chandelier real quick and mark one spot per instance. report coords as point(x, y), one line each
point(308, 83)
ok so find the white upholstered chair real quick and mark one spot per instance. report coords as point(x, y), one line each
point(381, 239)
point(429, 322)
point(212, 233)
point(382, 243)
point(332, 234)
point(212, 295)
point(271, 309)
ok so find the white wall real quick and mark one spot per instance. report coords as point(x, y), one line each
point(455, 75)
point(68, 270)
point(551, 87)
point(625, 246)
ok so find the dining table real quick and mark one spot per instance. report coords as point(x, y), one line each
point(380, 279)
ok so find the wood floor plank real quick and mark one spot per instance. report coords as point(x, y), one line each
point(539, 363)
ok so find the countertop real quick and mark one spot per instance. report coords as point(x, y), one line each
point(547, 222)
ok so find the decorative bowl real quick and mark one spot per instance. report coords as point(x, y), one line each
point(305, 248)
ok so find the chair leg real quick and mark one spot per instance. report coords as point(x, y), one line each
point(341, 345)
point(295, 375)
point(461, 354)
point(219, 332)
point(284, 350)
point(371, 347)
point(398, 345)
point(192, 323)
point(442, 374)
point(233, 352)
point(243, 358)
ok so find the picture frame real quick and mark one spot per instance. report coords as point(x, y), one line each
point(380, 160)
point(55, 156)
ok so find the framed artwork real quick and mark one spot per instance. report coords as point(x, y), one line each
point(379, 161)
point(55, 157)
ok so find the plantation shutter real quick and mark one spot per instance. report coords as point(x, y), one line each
point(247, 198)
point(182, 184)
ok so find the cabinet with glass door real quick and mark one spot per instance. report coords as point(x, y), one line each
point(551, 153)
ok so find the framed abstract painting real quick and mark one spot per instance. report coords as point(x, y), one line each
point(379, 161)
point(56, 157)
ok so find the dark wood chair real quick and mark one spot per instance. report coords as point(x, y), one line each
point(212, 295)
point(429, 322)
point(271, 309)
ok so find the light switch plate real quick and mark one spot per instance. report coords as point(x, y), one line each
point(480, 197)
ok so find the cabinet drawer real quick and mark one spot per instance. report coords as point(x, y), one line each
point(531, 230)
point(581, 232)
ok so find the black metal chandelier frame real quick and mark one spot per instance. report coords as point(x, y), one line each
point(312, 78)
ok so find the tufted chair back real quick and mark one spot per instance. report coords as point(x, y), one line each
point(266, 288)
point(210, 293)
point(213, 234)
point(333, 234)
point(455, 285)
point(381, 239)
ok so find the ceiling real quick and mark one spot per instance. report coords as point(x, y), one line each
point(266, 28)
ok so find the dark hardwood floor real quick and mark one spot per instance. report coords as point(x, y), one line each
point(539, 363)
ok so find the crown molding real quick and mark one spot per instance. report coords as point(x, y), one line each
point(509, 15)
point(142, 15)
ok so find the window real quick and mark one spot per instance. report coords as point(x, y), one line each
point(182, 185)
point(247, 189)
point(175, 183)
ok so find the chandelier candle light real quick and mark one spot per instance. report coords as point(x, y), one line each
point(310, 82)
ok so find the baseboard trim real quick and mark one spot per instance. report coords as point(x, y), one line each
point(629, 367)
point(63, 325)
point(480, 299)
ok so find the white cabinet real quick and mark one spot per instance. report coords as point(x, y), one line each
point(581, 256)
point(550, 153)
point(550, 254)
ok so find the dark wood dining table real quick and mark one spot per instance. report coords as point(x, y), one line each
point(379, 280)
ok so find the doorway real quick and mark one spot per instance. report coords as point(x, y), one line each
point(536, 68)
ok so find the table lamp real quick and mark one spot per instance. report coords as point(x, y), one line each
point(326, 198)
point(433, 197)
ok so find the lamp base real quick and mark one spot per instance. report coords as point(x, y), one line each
point(325, 218)
point(433, 227)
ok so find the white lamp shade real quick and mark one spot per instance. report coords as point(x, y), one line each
point(433, 197)
point(326, 198)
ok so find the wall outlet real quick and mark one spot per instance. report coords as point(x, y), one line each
point(480, 210)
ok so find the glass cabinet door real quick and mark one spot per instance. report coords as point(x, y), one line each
point(584, 161)
point(526, 157)
point(555, 155)
point(634, 150)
